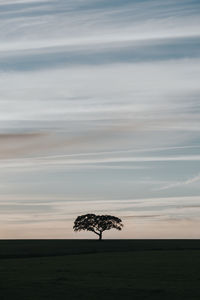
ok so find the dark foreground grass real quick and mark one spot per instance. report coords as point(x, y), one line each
point(115, 270)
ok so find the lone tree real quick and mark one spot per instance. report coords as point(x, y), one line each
point(97, 224)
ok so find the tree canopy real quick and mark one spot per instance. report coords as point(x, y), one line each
point(97, 223)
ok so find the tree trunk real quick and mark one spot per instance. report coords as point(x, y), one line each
point(100, 236)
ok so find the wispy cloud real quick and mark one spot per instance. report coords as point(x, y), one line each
point(179, 183)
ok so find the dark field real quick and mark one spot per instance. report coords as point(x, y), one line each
point(89, 269)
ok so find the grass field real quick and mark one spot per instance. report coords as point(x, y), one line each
point(89, 269)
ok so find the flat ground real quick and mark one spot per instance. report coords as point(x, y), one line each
point(89, 269)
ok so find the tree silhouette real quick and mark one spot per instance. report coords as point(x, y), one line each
point(97, 224)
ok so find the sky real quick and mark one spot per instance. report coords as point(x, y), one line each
point(99, 113)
